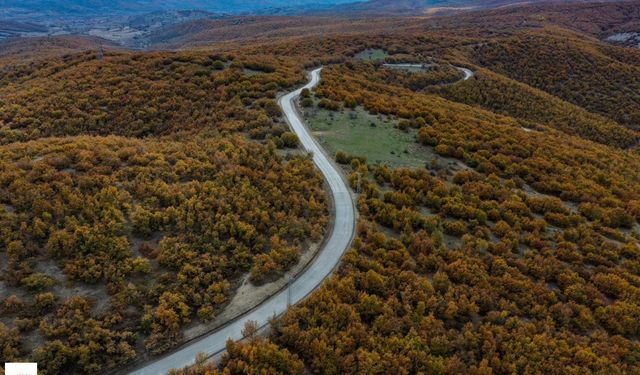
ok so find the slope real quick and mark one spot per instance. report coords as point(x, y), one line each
point(602, 79)
point(137, 191)
point(502, 95)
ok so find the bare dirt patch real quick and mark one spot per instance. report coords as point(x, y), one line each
point(65, 289)
point(32, 340)
point(135, 242)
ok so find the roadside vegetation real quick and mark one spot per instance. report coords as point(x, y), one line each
point(526, 278)
point(256, 356)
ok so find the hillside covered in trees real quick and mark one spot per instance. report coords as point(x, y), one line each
point(138, 190)
point(515, 249)
point(600, 78)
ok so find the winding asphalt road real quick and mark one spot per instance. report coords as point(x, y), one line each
point(467, 73)
point(339, 239)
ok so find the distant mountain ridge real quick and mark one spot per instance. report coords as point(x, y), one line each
point(126, 7)
point(417, 7)
point(132, 22)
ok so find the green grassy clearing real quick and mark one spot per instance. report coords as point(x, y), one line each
point(360, 133)
point(250, 72)
point(372, 55)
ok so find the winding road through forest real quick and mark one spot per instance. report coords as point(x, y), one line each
point(339, 239)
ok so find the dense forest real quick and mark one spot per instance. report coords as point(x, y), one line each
point(528, 251)
point(112, 245)
point(155, 234)
point(165, 93)
point(471, 276)
point(600, 78)
point(502, 95)
point(139, 189)
point(521, 256)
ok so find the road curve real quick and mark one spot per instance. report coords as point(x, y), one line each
point(339, 240)
point(468, 73)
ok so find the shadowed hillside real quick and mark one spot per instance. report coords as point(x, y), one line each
point(598, 77)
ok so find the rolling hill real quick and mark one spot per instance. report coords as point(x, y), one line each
point(12, 28)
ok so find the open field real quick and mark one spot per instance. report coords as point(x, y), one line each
point(372, 55)
point(360, 133)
